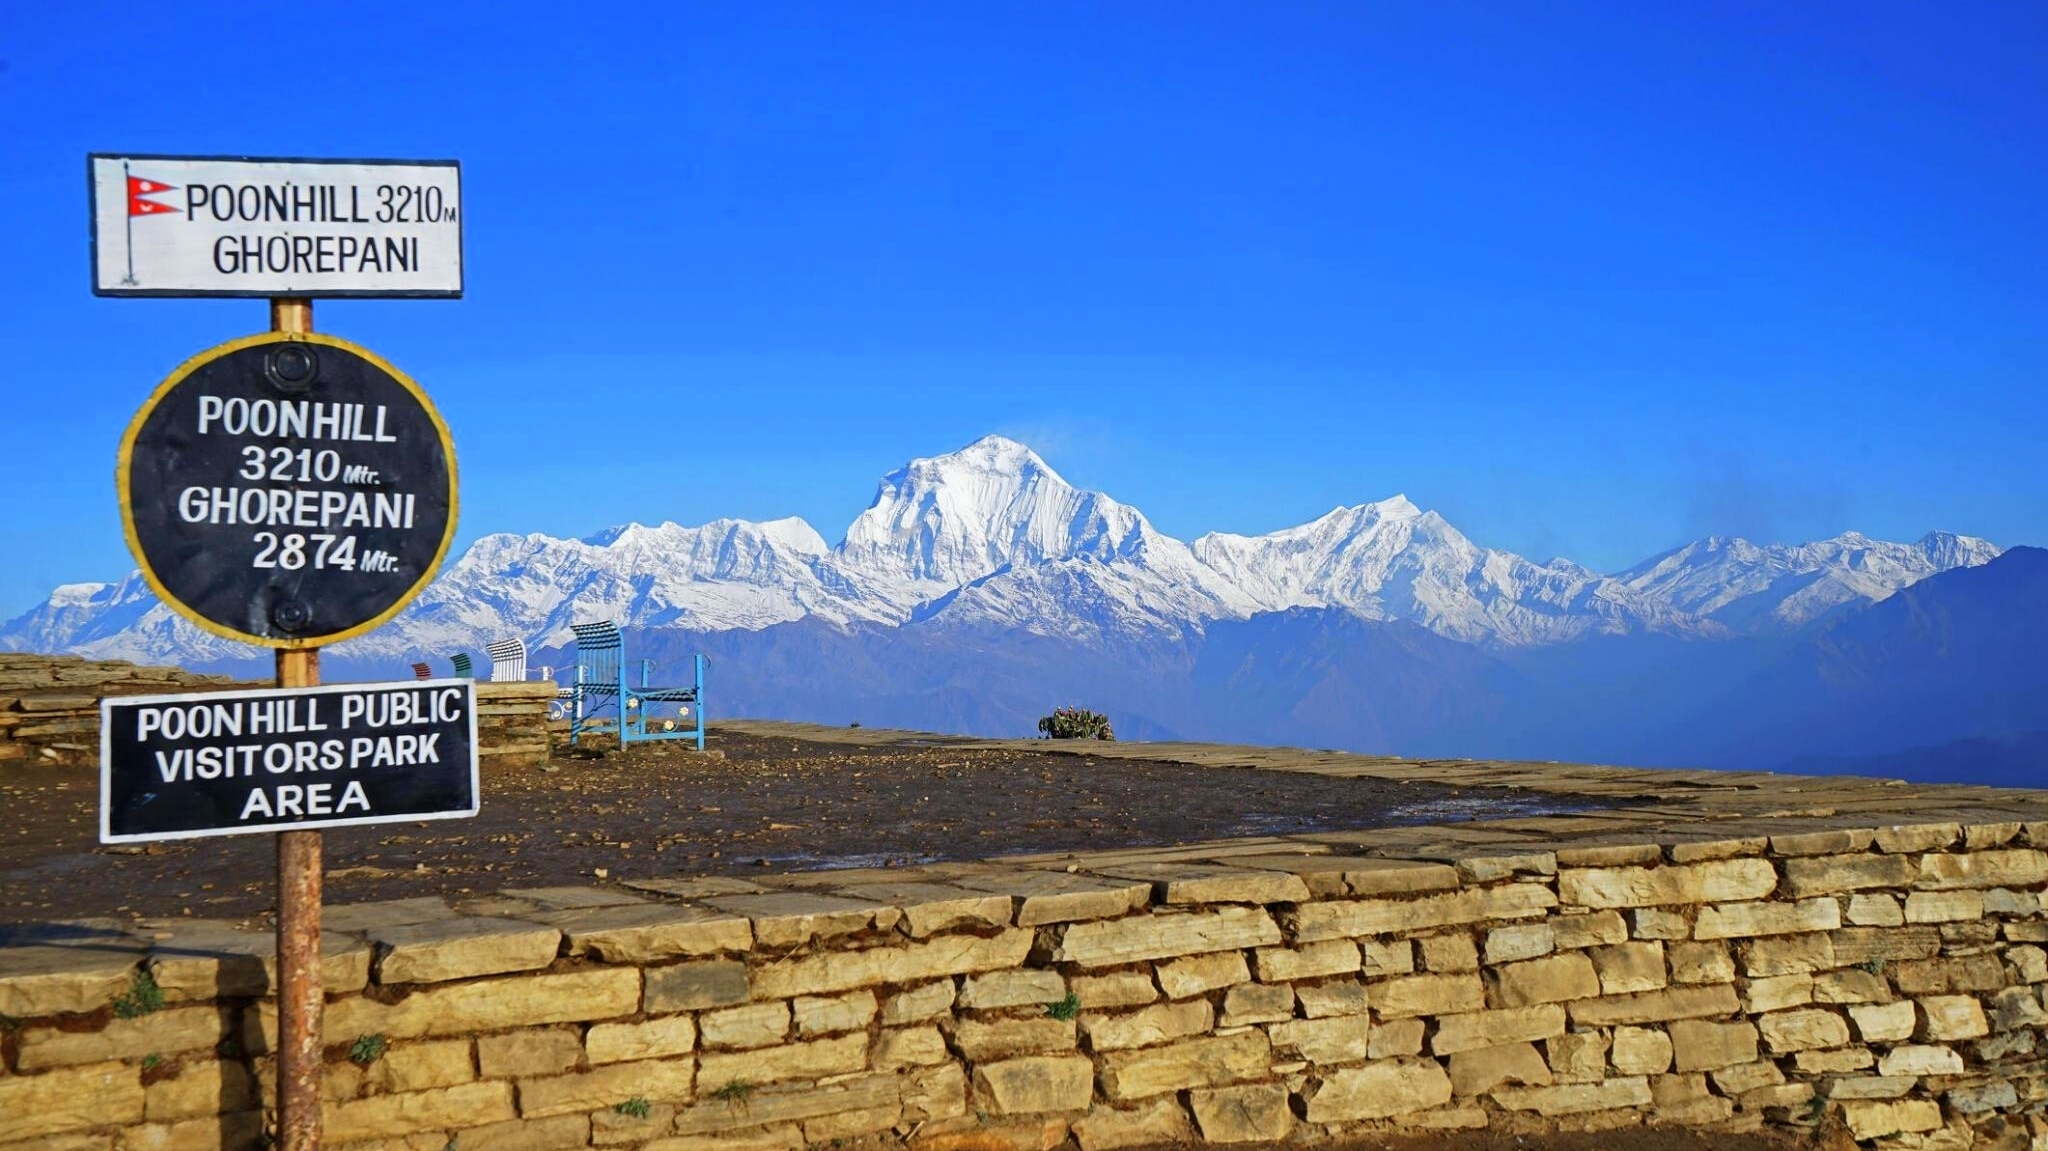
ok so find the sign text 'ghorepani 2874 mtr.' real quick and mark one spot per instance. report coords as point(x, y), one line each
point(215, 226)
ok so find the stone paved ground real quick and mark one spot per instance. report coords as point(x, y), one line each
point(1648, 805)
point(773, 804)
point(810, 806)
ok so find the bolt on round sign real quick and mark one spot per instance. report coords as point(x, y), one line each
point(288, 489)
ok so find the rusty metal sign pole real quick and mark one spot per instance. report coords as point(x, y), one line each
point(300, 995)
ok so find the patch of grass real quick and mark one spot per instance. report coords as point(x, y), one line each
point(735, 1093)
point(142, 997)
point(367, 1049)
point(152, 1061)
point(1066, 1009)
point(635, 1108)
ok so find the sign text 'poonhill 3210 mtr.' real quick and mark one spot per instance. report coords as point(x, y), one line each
point(288, 489)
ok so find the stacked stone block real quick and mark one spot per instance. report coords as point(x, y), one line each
point(1889, 985)
point(50, 704)
point(50, 709)
point(512, 724)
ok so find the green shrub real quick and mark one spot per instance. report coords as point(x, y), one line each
point(367, 1049)
point(142, 997)
point(635, 1108)
point(1075, 723)
point(1066, 1009)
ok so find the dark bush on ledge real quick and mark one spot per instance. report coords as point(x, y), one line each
point(1075, 723)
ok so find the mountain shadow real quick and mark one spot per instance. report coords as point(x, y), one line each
point(1997, 761)
point(1327, 677)
point(1959, 656)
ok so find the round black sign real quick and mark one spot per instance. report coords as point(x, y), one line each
point(288, 489)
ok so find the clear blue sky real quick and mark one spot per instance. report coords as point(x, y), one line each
point(1590, 279)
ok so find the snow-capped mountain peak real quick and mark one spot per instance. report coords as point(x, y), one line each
point(1749, 587)
point(76, 594)
point(720, 543)
point(1946, 550)
point(1393, 560)
point(952, 519)
point(1395, 507)
point(723, 575)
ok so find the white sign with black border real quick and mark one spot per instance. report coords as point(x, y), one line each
point(228, 226)
point(286, 759)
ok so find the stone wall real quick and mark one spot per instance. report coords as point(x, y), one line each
point(50, 704)
point(50, 709)
point(1885, 984)
point(512, 724)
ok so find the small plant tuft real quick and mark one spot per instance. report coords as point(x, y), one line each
point(367, 1049)
point(142, 997)
point(635, 1108)
point(1075, 723)
point(152, 1061)
point(735, 1093)
point(1816, 1109)
point(1874, 965)
point(1066, 1009)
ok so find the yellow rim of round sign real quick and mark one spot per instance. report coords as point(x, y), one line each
point(122, 471)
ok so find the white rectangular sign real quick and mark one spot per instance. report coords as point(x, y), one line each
point(286, 758)
point(219, 226)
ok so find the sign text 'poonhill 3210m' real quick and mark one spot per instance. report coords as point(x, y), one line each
point(238, 226)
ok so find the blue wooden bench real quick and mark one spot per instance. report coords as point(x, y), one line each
point(640, 713)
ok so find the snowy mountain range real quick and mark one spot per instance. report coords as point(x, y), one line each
point(991, 539)
point(1750, 588)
